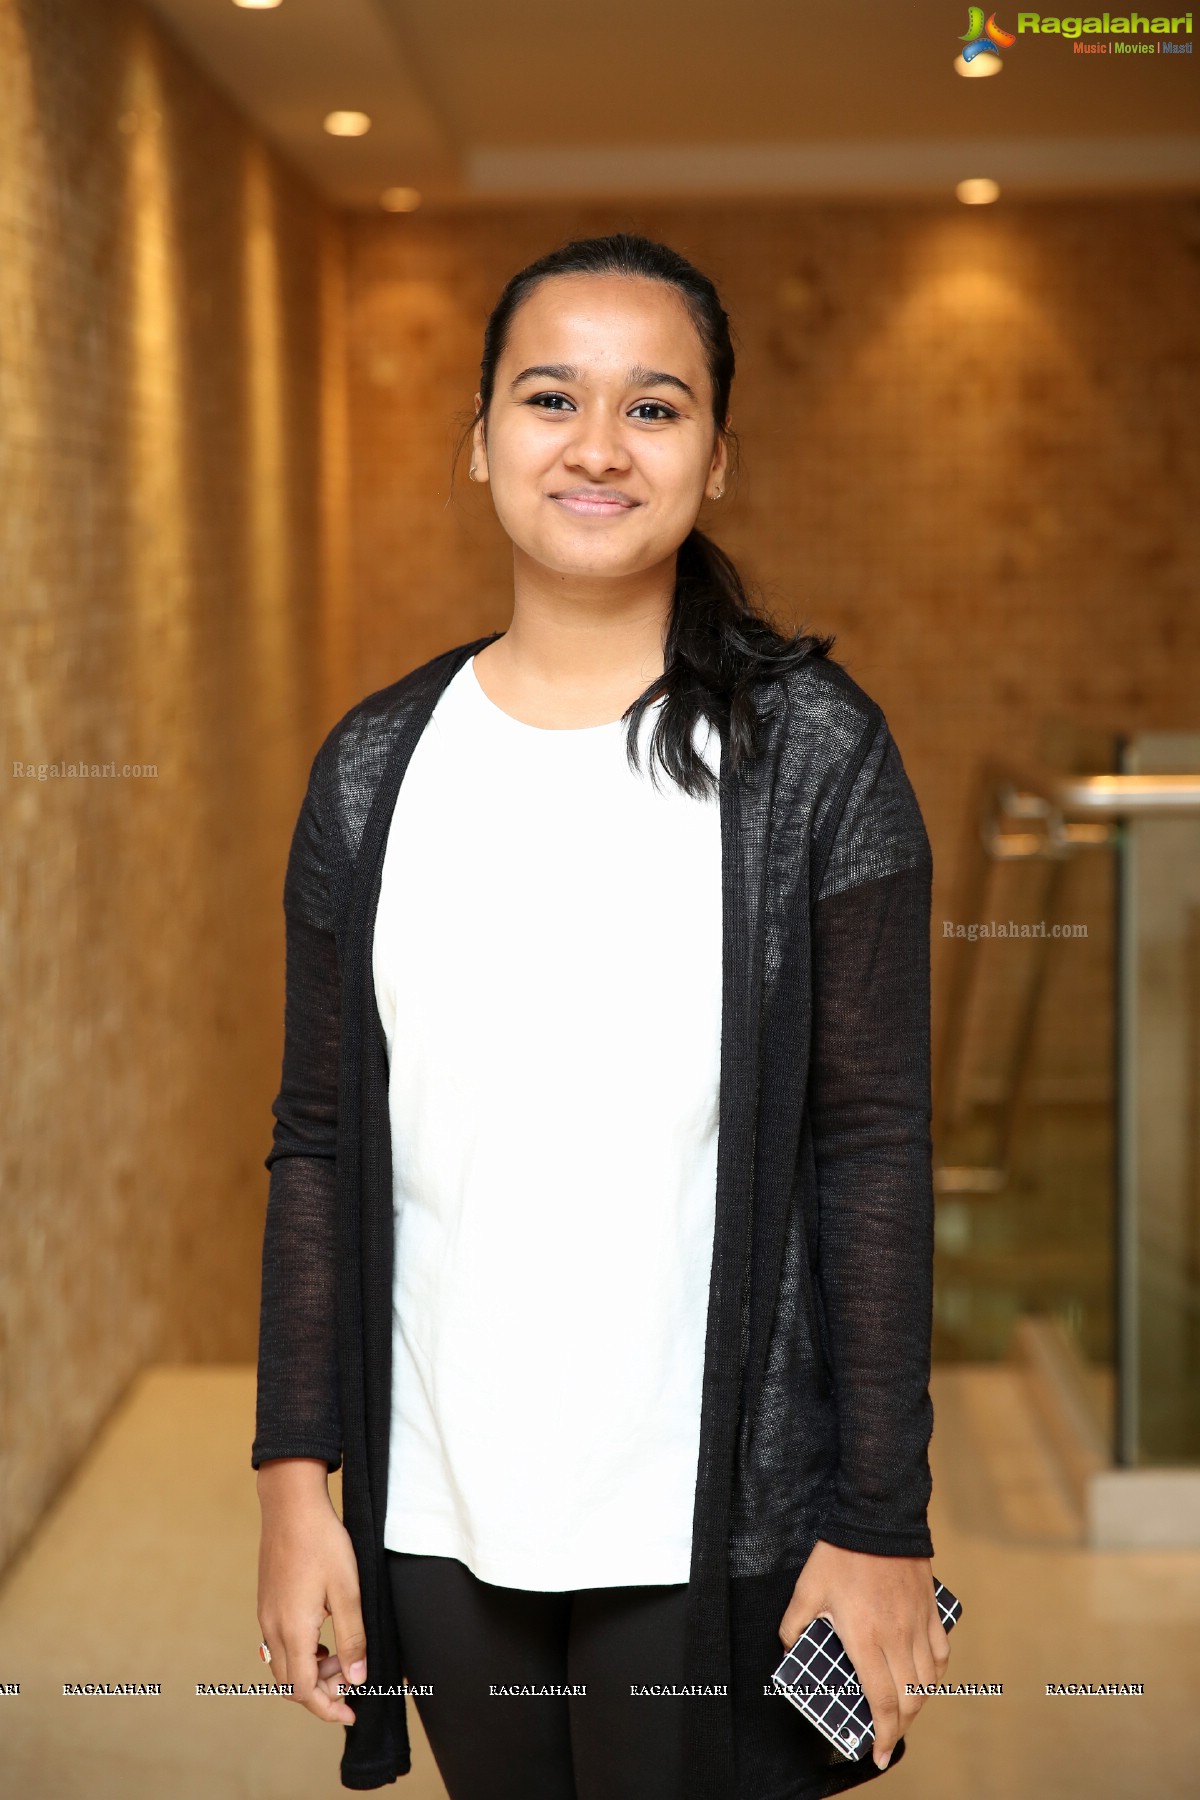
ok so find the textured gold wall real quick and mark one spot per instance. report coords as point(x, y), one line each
point(170, 485)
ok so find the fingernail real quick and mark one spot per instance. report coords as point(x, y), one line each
point(885, 1761)
point(358, 1672)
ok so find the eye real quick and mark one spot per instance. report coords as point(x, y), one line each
point(657, 408)
point(549, 402)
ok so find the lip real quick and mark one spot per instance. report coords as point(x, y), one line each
point(595, 503)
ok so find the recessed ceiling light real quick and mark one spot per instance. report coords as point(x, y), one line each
point(978, 190)
point(257, 5)
point(347, 124)
point(400, 199)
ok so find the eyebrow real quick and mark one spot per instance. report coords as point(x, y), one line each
point(638, 376)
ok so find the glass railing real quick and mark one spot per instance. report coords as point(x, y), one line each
point(1158, 1286)
point(1063, 1192)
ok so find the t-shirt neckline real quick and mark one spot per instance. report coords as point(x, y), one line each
point(540, 731)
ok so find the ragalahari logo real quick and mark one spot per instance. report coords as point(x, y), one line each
point(985, 40)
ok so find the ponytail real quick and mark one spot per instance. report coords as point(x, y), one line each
point(717, 647)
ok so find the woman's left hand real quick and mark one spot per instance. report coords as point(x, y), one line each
point(884, 1611)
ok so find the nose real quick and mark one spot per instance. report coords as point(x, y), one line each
point(596, 446)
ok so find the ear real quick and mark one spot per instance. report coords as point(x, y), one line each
point(718, 468)
point(479, 444)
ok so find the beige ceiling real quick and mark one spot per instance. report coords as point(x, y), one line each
point(476, 100)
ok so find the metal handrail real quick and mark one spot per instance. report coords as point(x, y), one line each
point(1069, 813)
point(1106, 796)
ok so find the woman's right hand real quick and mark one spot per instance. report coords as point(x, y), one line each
point(307, 1572)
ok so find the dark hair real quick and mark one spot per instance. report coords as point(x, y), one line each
point(717, 644)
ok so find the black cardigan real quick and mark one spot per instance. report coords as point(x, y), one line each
point(816, 1415)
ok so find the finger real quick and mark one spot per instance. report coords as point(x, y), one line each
point(903, 1670)
point(798, 1617)
point(351, 1635)
point(939, 1645)
point(301, 1666)
point(333, 1687)
point(308, 1690)
point(875, 1679)
point(272, 1637)
point(923, 1660)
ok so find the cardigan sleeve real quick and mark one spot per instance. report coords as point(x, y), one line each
point(298, 1409)
point(870, 1108)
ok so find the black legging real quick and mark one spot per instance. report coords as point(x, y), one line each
point(465, 1636)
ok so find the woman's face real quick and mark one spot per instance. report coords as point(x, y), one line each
point(599, 444)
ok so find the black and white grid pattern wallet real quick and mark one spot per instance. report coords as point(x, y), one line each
point(819, 1679)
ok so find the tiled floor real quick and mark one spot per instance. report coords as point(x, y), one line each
point(1043, 1609)
point(146, 1571)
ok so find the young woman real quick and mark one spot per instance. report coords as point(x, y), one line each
point(599, 1240)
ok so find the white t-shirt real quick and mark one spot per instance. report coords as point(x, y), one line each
point(547, 964)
